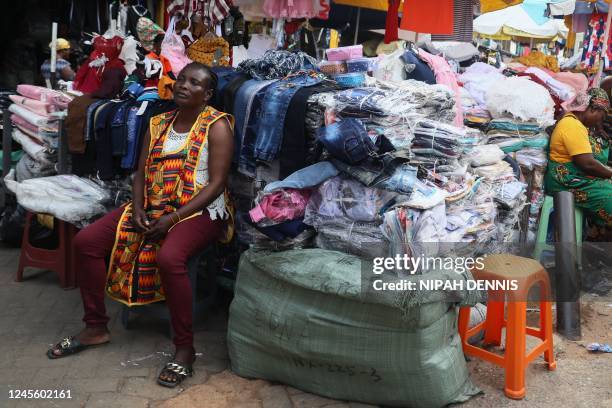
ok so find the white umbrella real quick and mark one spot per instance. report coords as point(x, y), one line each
point(514, 21)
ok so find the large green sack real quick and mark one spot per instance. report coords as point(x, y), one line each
point(300, 317)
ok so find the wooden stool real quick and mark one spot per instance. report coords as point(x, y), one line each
point(58, 260)
point(527, 273)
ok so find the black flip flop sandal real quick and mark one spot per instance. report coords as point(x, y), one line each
point(69, 346)
point(179, 370)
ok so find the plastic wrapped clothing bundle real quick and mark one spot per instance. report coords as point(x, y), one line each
point(478, 78)
point(392, 104)
point(532, 157)
point(363, 239)
point(37, 151)
point(432, 138)
point(348, 198)
point(67, 197)
point(277, 64)
point(486, 155)
point(521, 98)
point(28, 168)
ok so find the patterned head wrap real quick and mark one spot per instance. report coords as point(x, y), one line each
point(598, 99)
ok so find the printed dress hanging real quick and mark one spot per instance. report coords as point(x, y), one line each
point(593, 42)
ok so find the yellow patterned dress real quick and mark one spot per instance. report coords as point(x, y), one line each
point(170, 183)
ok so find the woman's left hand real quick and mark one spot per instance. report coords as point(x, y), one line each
point(159, 228)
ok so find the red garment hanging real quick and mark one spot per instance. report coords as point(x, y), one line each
point(433, 17)
point(391, 32)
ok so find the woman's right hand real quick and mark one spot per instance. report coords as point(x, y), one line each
point(140, 220)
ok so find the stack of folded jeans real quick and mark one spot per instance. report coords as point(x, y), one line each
point(277, 64)
point(437, 146)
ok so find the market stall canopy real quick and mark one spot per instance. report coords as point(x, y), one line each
point(516, 22)
point(369, 4)
point(557, 7)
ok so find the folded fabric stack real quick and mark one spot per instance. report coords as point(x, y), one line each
point(470, 220)
point(34, 114)
point(437, 146)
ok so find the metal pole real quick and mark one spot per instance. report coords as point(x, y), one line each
point(53, 54)
point(567, 275)
point(62, 151)
point(357, 24)
point(604, 48)
point(7, 147)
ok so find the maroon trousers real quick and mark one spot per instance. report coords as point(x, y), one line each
point(94, 244)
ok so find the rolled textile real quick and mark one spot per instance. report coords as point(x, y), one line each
point(31, 147)
point(33, 105)
point(31, 117)
point(57, 99)
point(21, 122)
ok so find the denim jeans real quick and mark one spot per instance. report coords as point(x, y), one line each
point(389, 171)
point(224, 76)
point(307, 177)
point(275, 105)
point(347, 140)
point(129, 159)
point(242, 110)
point(252, 118)
point(119, 140)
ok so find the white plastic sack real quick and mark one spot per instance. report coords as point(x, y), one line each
point(521, 98)
point(486, 155)
point(391, 67)
point(66, 197)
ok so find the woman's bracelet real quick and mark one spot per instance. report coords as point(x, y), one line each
point(178, 216)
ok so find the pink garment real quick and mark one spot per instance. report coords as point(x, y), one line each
point(289, 8)
point(445, 76)
point(580, 83)
point(344, 53)
point(41, 108)
point(281, 205)
point(57, 99)
point(24, 124)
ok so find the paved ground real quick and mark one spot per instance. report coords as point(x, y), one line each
point(35, 313)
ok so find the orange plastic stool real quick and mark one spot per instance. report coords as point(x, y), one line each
point(527, 273)
point(59, 260)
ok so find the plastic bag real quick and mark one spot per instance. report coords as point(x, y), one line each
point(67, 197)
point(521, 98)
point(391, 67)
point(174, 49)
point(486, 155)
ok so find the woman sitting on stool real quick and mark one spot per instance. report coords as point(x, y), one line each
point(179, 207)
point(578, 159)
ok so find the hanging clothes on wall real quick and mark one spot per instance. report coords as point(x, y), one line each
point(593, 42)
point(463, 19)
point(134, 13)
point(88, 16)
point(434, 17)
point(289, 8)
point(213, 11)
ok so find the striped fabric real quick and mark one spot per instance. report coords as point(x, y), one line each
point(133, 277)
point(463, 18)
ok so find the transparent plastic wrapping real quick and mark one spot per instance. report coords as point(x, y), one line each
point(346, 198)
point(521, 98)
point(486, 155)
point(363, 239)
point(67, 197)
